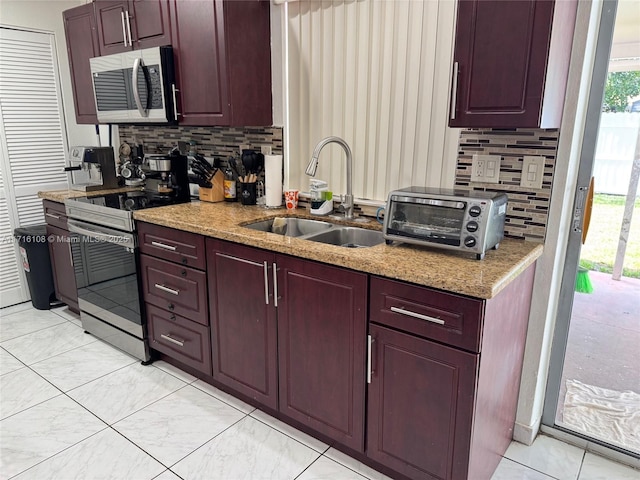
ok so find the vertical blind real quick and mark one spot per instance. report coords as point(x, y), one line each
point(33, 142)
point(377, 74)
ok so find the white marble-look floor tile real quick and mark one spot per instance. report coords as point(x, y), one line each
point(223, 396)
point(36, 434)
point(595, 467)
point(265, 453)
point(355, 465)
point(125, 391)
point(46, 343)
point(548, 455)
point(67, 314)
point(22, 389)
point(294, 433)
point(15, 308)
point(106, 455)
point(175, 371)
point(167, 475)
point(510, 470)
point(8, 363)
point(82, 365)
point(326, 469)
point(178, 424)
point(26, 321)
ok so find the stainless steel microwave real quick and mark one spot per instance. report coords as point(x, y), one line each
point(455, 220)
point(135, 87)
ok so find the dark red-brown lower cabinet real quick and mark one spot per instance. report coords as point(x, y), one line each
point(420, 406)
point(322, 319)
point(243, 320)
point(64, 277)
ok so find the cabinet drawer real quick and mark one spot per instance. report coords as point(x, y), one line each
point(55, 214)
point(186, 341)
point(170, 244)
point(181, 290)
point(445, 317)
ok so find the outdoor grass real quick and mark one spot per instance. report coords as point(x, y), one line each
point(599, 251)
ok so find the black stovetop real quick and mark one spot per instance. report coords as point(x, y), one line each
point(130, 201)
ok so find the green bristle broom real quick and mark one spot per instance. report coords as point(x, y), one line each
point(583, 282)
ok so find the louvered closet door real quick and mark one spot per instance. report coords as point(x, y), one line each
point(33, 144)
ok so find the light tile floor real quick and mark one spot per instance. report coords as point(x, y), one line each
point(72, 407)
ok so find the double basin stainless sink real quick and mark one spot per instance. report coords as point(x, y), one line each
point(319, 231)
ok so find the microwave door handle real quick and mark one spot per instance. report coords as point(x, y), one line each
point(136, 94)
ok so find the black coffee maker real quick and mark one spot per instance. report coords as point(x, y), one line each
point(167, 177)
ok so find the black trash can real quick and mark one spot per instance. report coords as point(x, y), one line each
point(34, 256)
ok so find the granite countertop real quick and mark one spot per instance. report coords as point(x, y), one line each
point(446, 270)
point(452, 271)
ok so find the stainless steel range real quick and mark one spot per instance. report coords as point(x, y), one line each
point(105, 259)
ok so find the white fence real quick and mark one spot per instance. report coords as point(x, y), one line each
point(614, 152)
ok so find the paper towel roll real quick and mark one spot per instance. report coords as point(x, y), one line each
point(273, 180)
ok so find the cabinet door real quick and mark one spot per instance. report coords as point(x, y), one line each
point(420, 406)
point(82, 44)
point(243, 320)
point(501, 53)
point(112, 27)
point(200, 63)
point(64, 277)
point(321, 347)
point(149, 23)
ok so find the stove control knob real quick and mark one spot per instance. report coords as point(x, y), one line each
point(475, 211)
point(472, 227)
point(470, 242)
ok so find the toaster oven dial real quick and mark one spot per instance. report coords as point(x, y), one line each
point(475, 211)
point(472, 227)
point(470, 242)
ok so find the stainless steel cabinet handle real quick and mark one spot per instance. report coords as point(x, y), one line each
point(409, 313)
point(57, 217)
point(175, 103)
point(275, 285)
point(167, 289)
point(164, 245)
point(454, 92)
point(124, 30)
point(126, 14)
point(172, 340)
point(369, 342)
point(266, 283)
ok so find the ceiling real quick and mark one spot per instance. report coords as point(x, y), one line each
point(625, 51)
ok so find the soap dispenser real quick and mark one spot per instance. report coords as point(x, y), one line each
point(321, 197)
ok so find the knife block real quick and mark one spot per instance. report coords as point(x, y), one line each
point(216, 192)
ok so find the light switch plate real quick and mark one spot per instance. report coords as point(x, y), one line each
point(265, 149)
point(532, 172)
point(485, 168)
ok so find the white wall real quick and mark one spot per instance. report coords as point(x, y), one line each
point(46, 16)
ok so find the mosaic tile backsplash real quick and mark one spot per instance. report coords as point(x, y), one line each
point(210, 141)
point(527, 210)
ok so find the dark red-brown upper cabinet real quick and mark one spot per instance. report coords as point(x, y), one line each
point(132, 25)
point(511, 62)
point(82, 44)
point(222, 55)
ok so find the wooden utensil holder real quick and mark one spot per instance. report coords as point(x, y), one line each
point(216, 192)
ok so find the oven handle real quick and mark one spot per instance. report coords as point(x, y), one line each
point(102, 235)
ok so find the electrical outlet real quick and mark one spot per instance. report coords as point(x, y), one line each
point(244, 147)
point(485, 168)
point(532, 172)
point(265, 149)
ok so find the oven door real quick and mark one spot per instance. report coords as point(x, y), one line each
point(104, 261)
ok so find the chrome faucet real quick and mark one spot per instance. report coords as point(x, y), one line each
point(347, 204)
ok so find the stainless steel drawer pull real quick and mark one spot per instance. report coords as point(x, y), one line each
point(266, 283)
point(167, 289)
point(275, 285)
point(454, 91)
point(409, 313)
point(164, 245)
point(172, 340)
point(57, 217)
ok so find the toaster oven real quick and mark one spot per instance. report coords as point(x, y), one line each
point(455, 220)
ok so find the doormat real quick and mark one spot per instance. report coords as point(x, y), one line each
point(608, 415)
